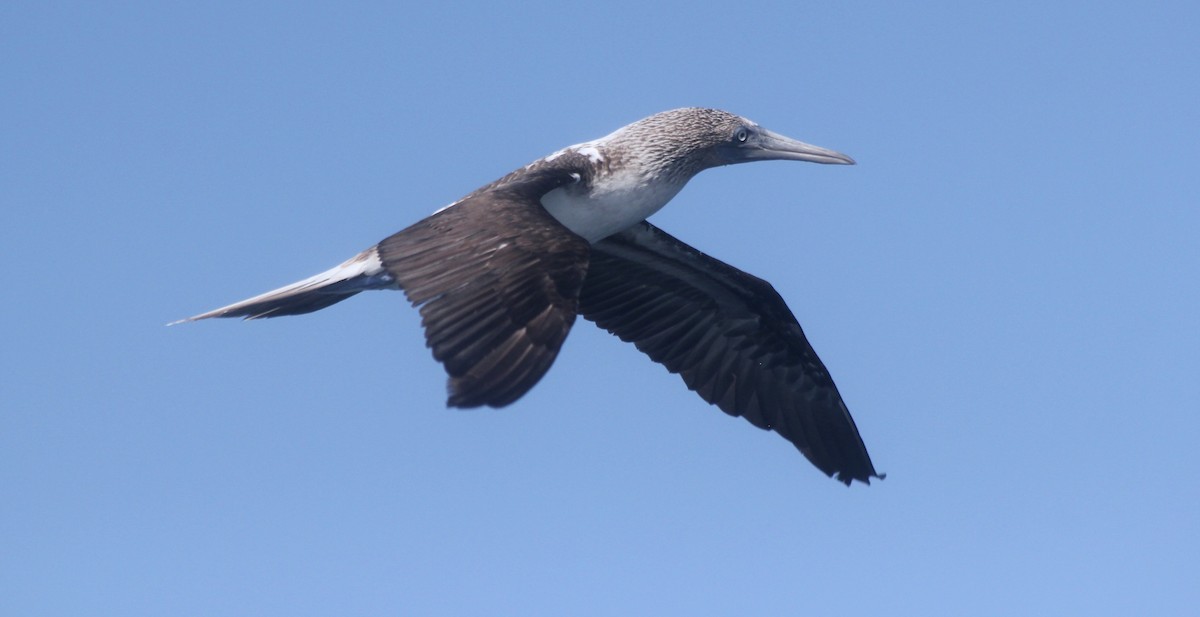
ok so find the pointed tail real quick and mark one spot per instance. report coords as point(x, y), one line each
point(364, 271)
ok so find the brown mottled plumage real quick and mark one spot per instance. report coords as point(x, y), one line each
point(500, 275)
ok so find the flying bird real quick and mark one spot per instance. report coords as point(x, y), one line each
point(499, 276)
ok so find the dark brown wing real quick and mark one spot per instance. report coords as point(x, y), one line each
point(729, 336)
point(497, 280)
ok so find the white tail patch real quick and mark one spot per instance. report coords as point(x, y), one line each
point(359, 273)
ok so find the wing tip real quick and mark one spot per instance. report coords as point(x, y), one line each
point(848, 478)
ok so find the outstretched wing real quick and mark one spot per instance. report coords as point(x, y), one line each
point(730, 337)
point(497, 281)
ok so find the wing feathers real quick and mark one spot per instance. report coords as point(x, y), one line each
point(729, 336)
point(497, 281)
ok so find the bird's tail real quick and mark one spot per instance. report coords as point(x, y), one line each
point(364, 271)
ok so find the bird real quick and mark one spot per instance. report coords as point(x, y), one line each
point(500, 275)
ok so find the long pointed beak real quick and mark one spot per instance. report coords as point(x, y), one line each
point(764, 145)
point(776, 146)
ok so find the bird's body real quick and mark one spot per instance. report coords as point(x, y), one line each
point(500, 275)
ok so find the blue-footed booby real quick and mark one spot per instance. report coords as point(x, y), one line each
point(499, 276)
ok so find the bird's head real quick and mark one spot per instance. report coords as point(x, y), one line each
point(693, 139)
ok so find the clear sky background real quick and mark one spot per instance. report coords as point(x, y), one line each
point(1004, 288)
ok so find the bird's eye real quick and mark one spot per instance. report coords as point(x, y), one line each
point(741, 135)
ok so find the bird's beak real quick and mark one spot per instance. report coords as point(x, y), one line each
point(764, 145)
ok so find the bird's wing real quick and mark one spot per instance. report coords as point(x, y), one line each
point(497, 281)
point(730, 337)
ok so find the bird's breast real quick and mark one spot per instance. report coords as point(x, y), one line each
point(608, 205)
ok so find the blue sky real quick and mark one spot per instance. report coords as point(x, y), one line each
point(1004, 289)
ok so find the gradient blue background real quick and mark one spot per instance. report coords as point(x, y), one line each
point(1005, 289)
